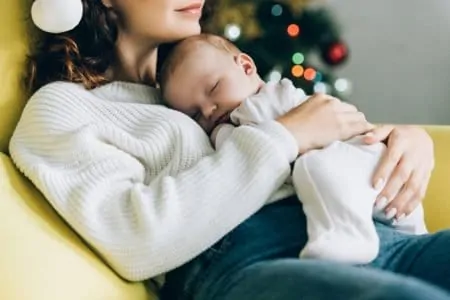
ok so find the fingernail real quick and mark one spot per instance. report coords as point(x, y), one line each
point(391, 213)
point(379, 184)
point(369, 134)
point(381, 203)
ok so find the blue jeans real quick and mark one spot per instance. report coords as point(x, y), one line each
point(258, 260)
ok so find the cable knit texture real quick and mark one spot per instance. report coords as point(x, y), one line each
point(140, 182)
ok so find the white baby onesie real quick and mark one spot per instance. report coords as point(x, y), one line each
point(333, 184)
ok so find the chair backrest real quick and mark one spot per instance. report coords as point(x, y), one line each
point(14, 16)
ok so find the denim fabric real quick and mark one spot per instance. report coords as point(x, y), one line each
point(259, 261)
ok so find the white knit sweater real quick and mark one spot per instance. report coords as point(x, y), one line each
point(140, 182)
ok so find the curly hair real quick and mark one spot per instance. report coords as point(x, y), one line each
point(82, 55)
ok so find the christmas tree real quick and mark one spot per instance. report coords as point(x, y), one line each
point(282, 36)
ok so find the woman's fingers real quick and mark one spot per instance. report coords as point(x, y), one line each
point(409, 196)
point(378, 134)
point(405, 168)
point(355, 124)
point(412, 194)
point(360, 123)
point(388, 164)
point(399, 177)
point(352, 123)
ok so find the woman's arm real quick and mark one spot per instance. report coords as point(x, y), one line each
point(140, 228)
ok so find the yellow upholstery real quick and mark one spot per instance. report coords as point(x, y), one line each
point(437, 202)
point(13, 49)
point(40, 257)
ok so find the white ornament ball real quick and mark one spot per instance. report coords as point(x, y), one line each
point(56, 16)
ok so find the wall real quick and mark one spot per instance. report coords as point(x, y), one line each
point(400, 60)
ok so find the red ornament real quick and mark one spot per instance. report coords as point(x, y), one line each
point(335, 53)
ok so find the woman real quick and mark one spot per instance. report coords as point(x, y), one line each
point(141, 184)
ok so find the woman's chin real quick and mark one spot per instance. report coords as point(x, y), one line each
point(189, 30)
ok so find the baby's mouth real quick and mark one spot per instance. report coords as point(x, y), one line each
point(225, 118)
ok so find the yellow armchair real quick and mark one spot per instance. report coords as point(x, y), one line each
point(437, 201)
point(41, 258)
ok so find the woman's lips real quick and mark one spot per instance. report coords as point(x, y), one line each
point(192, 9)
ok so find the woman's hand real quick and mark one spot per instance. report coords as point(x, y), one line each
point(323, 119)
point(405, 168)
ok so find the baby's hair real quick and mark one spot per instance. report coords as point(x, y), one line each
point(177, 53)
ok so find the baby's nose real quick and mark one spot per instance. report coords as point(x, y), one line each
point(208, 110)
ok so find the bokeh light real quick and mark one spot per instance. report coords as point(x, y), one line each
point(342, 85)
point(318, 77)
point(293, 30)
point(232, 32)
point(275, 75)
point(277, 10)
point(297, 71)
point(310, 74)
point(321, 87)
point(298, 58)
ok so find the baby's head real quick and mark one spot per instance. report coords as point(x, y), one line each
point(206, 77)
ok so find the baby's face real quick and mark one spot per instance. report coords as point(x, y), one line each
point(209, 84)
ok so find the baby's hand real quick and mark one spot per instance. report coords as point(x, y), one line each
point(220, 133)
point(214, 133)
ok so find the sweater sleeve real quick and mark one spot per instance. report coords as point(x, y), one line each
point(143, 229)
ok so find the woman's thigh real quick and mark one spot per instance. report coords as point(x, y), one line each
point(266, 247)
point(314, 280)
point(425, 256)
point(276, 231)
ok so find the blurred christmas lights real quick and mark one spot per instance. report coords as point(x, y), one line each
point(293, 30)
point(342, 85)
point(297, 71)
point(232, 32)
point(275, 75)
point(310, 74)
point(277, 10)
point(298, 58)
point(318, 77)
point(281, 38)
point(321, 87)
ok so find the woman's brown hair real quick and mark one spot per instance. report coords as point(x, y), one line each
point(82, 55)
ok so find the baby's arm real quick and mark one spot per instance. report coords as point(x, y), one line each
point(272, 101)
point(220, 134)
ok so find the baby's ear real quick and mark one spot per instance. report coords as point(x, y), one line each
point(246, 63)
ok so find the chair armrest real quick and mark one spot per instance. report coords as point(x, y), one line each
point(437, 201)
